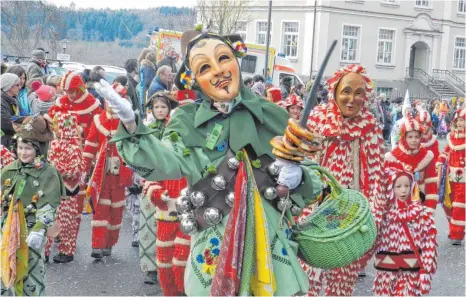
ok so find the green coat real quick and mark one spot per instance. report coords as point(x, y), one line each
point(182, 152)
point(46, 179)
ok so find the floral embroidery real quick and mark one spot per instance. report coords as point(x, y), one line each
point(459, 175)
point(208, 258)
point(7, 182)
point(39, 162)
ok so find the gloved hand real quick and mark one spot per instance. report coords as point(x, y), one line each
point(119, 105)
point(35, 239)
point(290, 173)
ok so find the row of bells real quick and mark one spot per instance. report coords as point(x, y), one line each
point(213, 216)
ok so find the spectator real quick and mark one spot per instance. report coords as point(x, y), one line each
point(9, 85)
point(285, 86)
point(85, 75)
point(387, 119)
point(248, 82)
point(122, 80)
point(299, 90)
point(322, 94)
point(42, 99)
point(258, 88)
point(146, 76)
point(131, 67)
point(169, 59)
point(36, 68)
point(22, 98)
point(162, 81)
point(257, 78)
point(97, 73)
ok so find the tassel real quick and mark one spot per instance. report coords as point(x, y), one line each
point(416, 193)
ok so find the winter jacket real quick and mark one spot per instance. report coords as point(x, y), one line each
point(168, 61)
point(9, 110)
point(91, 88)
point(146, 76)
point(24, 107)
point(38, 106)
point(387, 121)
point(35, 72)
point(156, 86)
point(132, 93)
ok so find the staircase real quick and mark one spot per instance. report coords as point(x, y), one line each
point(446, 85)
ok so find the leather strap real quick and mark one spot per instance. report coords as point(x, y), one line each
point(413, 246)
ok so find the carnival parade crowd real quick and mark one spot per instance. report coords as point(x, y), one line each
point(216, 172)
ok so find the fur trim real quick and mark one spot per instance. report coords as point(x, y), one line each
point(145, 63)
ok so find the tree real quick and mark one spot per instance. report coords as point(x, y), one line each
point(224, 16)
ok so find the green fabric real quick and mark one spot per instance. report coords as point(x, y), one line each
point(147, 235)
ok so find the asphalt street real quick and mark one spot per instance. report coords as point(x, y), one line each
point(120, 274)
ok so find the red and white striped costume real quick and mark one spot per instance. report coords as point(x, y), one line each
point(352, 152)
point(172, 246)
point(428, 140)
point(108, 181)
point(7, 157)
point(398, 270)
point(418, 161)
point(454, 154)
point(66, 154)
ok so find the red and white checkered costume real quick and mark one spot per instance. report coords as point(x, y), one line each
point(108, 181)
point(454, 155)
point(416, 161)
point(172, 246)
point(428, 140)
point(7, 157)
point(66, 154)
point(398, 270)
point(352, 152)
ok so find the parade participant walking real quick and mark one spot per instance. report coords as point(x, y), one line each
point(31, 191)
point(406, 256)
point(210, 143)
point(294, 106)
point(428, 139)
point(416, 160)
point(454, 156)
point(352, 152)
point(406, 112)
point(107, 184)
point(66, 154)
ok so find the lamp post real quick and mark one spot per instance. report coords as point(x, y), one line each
point(64, 43)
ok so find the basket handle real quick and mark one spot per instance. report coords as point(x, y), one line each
point(332, 179)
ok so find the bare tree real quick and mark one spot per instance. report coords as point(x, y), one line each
point(224, 16)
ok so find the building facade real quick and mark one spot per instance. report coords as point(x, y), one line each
point(393, 39)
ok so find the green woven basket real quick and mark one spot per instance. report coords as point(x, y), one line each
point(339, 232)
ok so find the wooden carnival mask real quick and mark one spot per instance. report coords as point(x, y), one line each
point(350, 94)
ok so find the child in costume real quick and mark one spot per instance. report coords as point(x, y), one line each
point(294, 105)
point(454, 156)
point(66, 154)
point(428, 139)
point(31, 191)
point(214, 144)
point(107, 184)
point(417, 160)
point(406, 256)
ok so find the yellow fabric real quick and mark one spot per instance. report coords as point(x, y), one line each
point(263, 279)
point(416, 196)
point(14, 266)
point(447, 201)
point(87, 203)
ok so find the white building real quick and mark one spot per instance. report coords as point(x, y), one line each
point(393, 39)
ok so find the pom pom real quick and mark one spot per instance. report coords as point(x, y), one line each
point(174, 137)
point(186, 152)
point(256, 163)
point(211, 169)
point(239, 156)
point(199, 27)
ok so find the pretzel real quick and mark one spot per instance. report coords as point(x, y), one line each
point(282, 155)
point(299, 130)
point(277, 144)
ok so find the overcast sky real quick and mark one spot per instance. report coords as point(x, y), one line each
point(117, 4)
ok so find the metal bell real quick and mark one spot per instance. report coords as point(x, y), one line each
point(273, 169)
point(270, 193)
point(233, 163)
point(230, 199)
point(284, 203)
point(219, 183)
point(188, 227)
point(212, 216)
point(184, 192)
point(186, 216)
point(198, 198)
point(296, 210)
point(183, 204)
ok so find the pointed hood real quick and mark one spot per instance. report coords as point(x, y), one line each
point(406, 103)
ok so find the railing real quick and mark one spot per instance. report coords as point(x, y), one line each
point(449, 77)
point(421, 75)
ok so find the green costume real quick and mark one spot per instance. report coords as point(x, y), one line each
point(22, 183)
point(182, 152)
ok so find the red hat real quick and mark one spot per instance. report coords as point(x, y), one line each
point(121, 90)
point(460, 113)
point(392, 174)
point(185, 96)
point(275, 93)
point(293, 99)
point(410, 124)
point(45, 93)
point(72, 80)
point(423, 117)
point(35, 85)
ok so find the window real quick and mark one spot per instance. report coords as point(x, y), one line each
point(294, 79)
point(459, 61)
point(290, 39)
point(462, 6)
point(349, 43)
point(242, 29)
point(386, 47)
point(423, 3)
point(261, 30)
point(386, 91)
point(248, 64)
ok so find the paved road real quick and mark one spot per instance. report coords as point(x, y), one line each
point(120, 273)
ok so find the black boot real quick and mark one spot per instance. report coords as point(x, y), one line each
point(62, 258)
point(135, 243)
point(151, 278)
point(97, 253)
point(107, 252)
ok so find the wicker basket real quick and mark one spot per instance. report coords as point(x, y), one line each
point(339, 232)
